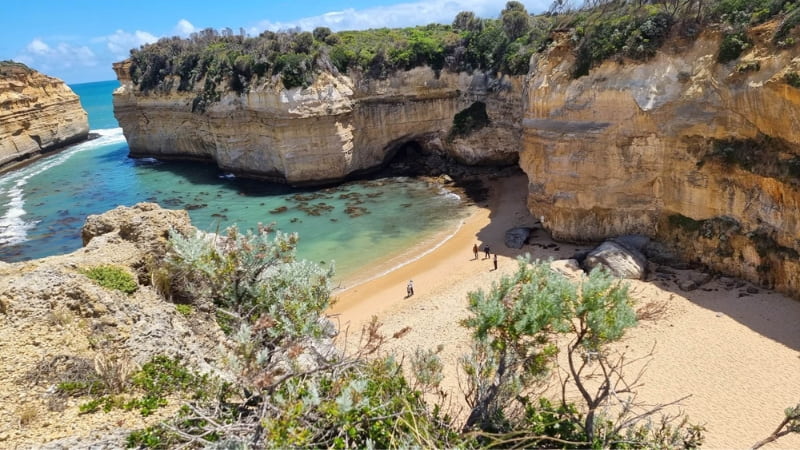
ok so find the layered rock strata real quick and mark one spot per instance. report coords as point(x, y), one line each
point(337, 127)
point(698, 154)
point(38, 114)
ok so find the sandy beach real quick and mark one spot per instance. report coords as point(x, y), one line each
point(732, 346)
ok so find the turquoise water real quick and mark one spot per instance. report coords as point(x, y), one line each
point(356, 224)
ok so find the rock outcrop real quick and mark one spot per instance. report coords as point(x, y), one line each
point(38, 114)
point(337, 127)
point(620, 260)
point(697, 154)
point(55, 321)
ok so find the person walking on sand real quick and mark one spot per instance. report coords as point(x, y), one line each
point(410, 288)
point(475, 250)
point(486, 252)
point(495, 261)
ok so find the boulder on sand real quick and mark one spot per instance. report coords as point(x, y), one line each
point(516, 237)
point(622, 261)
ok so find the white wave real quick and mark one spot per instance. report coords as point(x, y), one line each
point(450, 195)
point(227, 176)
point(13, 227)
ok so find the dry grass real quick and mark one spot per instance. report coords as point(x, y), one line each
point(114, 371)
point(26, 414)
point(652, 311)
point(60, 317)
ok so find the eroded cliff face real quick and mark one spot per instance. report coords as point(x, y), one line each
point(698, 154)
point(38, 113)
point(339, 126)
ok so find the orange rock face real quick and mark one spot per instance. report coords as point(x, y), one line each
point(38, 113)
point(681, 148)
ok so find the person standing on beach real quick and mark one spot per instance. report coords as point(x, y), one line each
point(495, 261)
point(475, 250)
point(410, 288)
point(486, 252)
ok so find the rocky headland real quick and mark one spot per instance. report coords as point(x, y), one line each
point(38, 114)
point(338, 127)
point(60, 327)
point(701, 155)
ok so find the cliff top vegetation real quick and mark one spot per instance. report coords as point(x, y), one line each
point(598, 29)
point(8, 68)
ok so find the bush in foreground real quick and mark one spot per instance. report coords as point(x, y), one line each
point(292, 388)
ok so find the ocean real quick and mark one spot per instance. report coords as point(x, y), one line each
point(375, 223)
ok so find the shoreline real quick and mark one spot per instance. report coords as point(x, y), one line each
point(379, 268)
point(732, 346)
point(390, 285)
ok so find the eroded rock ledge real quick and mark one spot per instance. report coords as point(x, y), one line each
point(338, 127)
point(38, 114)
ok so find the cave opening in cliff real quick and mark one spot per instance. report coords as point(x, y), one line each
point(410, 158)
point(408, 152)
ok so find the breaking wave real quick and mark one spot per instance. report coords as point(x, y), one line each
point(13, 226)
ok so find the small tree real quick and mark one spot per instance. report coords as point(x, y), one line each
point(516, 21)
point(516, 327)
point(789, 424)
point(466, 21)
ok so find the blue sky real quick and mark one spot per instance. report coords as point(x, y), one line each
point(77, 40)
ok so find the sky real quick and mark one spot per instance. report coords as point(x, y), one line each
point(78, 40)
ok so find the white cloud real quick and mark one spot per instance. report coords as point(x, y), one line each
point(48, 58)
point(121, 42)
point(38, 47)
point(184, 28)
point(399, 15)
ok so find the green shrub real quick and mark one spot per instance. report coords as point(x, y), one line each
point(8, 68)
point(186, 310)
point(788, 23)
point(792, 79)
point(295, 70)
point(155, 381)
point(470, 119)
point(254, 274)
point(748, 66)
point(636, 35)
point(732, 46)
point(224, 59)
point(517, 326)
point(112, 277)
point(77, 388)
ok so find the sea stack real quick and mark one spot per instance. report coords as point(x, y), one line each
point(38, 114)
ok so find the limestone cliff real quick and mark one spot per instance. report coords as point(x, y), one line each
point(339, 126)
point(38, 113)
point(699, 154)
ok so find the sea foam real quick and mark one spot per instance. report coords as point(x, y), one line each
point(13, 226)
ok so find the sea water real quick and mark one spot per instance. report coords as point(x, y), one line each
point(373, 224)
